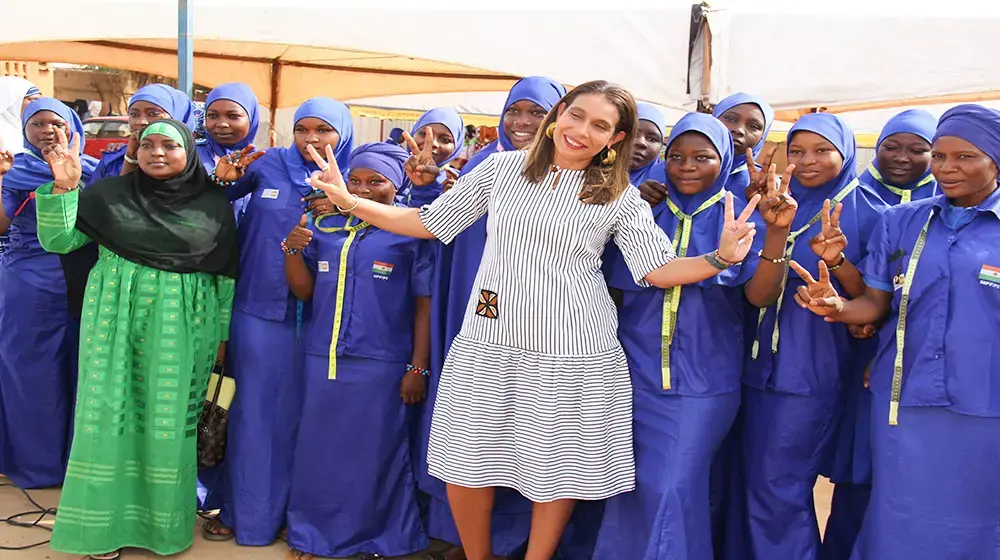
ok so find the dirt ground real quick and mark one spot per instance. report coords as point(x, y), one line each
point(12, 501)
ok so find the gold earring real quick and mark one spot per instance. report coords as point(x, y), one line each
point(550, 130)
point(610, 158)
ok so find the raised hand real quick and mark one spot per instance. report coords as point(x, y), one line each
point(6, 160)
point(300, 236)
point(653, 192)
point(758, 179)
point(329, 179)
point(64, 160)
point(421, 168)
point(777, 207)
point(450, 181)
point(231, 167)
point(831, 241)
point(818, 296)
point(737, 233)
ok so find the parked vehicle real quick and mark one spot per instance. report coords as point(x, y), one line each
point(104, 133)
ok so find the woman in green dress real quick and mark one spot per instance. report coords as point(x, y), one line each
point(155, 320)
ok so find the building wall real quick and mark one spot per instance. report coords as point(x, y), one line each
point(37, 73)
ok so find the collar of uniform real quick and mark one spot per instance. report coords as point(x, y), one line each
point(991, 204)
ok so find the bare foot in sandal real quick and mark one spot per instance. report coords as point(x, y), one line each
point(298, 555)
point(108, 556)
point(214, 530)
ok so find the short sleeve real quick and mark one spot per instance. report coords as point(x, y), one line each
point(462, 205)
point(877, 266)
point(422, 273)
point(12, 200)
point(643, 245)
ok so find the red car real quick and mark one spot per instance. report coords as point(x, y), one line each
point(105, 132)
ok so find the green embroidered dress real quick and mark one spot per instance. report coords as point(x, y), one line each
point(148, 341)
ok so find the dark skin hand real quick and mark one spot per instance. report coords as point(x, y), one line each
point(413, 388)
point(450, 181)
point(829, 245)
point(758, 179)
point(777, 208)
point(653, 192)
point(232, 166)
point(421, 168)
point(300, 279)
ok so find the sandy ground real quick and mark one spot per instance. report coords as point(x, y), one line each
point(12, 501)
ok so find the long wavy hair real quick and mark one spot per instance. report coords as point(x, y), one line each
point(602, 183)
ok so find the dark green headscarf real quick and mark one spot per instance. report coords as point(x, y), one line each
point(183, 224)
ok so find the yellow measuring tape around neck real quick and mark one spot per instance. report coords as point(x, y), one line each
point(672, 297)
point(338, 312)
point(904, 302)
point(905, 195)
point(789, 246)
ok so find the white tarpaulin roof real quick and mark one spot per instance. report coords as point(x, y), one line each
point(853, 55)
point(290, 50)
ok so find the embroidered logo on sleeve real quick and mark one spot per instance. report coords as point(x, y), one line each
point(989, 276)
point(487, 306)
point(381, 270)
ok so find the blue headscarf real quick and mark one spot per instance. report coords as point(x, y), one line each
point(30, 169)
point(975, 124)
point(395, 136)
point(862, 209)
point(541, 91)
point(382, 158)
point(333, 113)
point(740, 176)
point(242, 95)
point(175, 102)
point(912, 121)
point(649, 113)
point(451, 120)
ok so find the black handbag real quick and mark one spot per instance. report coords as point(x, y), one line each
point(214, 421)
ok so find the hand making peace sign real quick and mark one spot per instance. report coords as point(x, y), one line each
point(777, 207)
point(737, 233)
point(831, 241)
point(818, 296)
point(64, 160)
point(231, 167)
point(330, 180)
point(758, 179)
point(421, 167)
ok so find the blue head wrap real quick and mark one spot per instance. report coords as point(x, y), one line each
point(451, 120)
point(381, 158)
point(740, 175)
point(333, 113)
point(975, 124)
point(837, 132)
point(649, 113)
point(541, 91)
point(242, 95)
point(175, 102)
point(719, 136)
point(30, 169)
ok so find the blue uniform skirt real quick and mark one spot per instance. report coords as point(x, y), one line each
point(668, 515)
point(936, 486)
point(786, 441)
point(38, 374)
point(353, 490)
point(265, 361)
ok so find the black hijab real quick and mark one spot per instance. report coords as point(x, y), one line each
point(183, 224)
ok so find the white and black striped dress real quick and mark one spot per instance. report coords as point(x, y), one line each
point(535, 392)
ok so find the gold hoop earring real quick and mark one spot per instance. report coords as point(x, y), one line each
point(610, 158)
point(550, 130)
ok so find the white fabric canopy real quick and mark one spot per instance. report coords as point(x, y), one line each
point(291, 50)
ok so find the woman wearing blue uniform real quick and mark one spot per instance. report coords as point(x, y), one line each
point(793, 379)
point(686, 395)
point(231, 123)
point(749, 119)
point(649, 138)
point(447, 129)
point(150, 103)
point(367, 350)
point(455, 267)
point(901, 172)
point(40, 309)
point(263, 352)
point(933, 274)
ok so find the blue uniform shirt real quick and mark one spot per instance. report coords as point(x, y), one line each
point(384, 273)
point(110, 165)
point(953, 316)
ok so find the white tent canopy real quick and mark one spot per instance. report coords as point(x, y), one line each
point(291, 50)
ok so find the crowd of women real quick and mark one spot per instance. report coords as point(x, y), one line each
point(574, 341)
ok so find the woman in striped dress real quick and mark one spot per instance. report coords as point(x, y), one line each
point(554, 421)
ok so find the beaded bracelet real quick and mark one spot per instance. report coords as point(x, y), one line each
point(840, 263)
point(775, 261)
point(410, 368)
point(285, 249)
point(224, 184)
